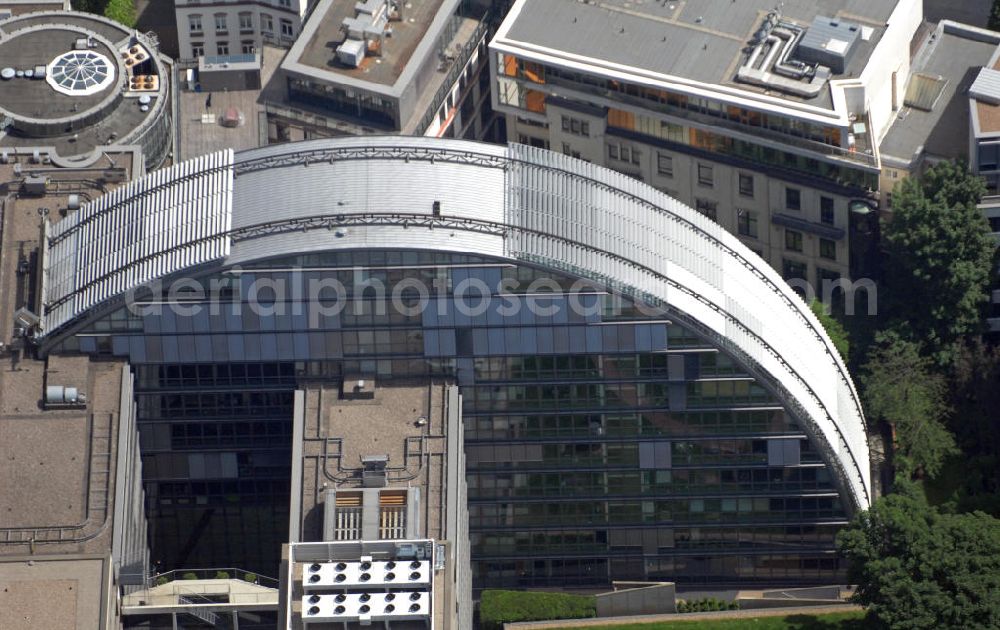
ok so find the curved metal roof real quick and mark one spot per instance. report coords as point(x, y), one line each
point(515, 202)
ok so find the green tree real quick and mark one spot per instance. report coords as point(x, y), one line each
point(122, 11)
point(836, 331)
point(994, 22)
point(917, 568)
point(938, 258)
point(900, 388)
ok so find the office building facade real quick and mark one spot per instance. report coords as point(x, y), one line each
point(237, 28)
point(766, 120)
point(642, 398)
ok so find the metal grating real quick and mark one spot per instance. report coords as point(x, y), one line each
point(923, 91)
point(170, 220)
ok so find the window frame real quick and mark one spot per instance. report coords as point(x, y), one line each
point(827, 212)
point(827, 249)
point(747, 223)
point(793, 194)
point(706, 175)
point(245, 20)
point(793, 241)
point(664, 164)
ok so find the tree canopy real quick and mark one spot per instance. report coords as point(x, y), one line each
point(938, 258)
point(122, 11)
point(901, 388)
point(917, 568)
point(836, 330)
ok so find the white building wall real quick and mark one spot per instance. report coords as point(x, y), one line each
point(889, 67)
point(266, 25)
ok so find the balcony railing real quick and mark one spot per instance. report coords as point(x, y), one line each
point(230, 573)
point(857, 156)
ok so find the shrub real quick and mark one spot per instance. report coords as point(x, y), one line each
point(707, 604)
point(221, 575)
point(499, 607)
point(189, 576)
point(249, 577)
point(160, 581)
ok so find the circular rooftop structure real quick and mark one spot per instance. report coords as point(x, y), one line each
point(72, 81)
point(80, 73)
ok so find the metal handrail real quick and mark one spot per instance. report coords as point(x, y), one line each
point(449, 80)
point(868, 159)
point(177, 575)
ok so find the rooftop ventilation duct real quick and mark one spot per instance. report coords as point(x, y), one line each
point(773, 62)
point(829, 42)
point(366, 30)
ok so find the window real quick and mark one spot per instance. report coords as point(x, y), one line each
point(568, 150)
point(197, 49)
point(286, 28)
point(746, 185)
point(266, 23)
point(624, 153)
point(828, 249)
point(826, 210)
point(247, 48)
point(824, 283)
point(575, 126)
point(220, 23)
point(793, 199)
point(194, 23)
point(705, 177)
point(664, 165)
point(793, 269)
point(707, 208)
point(746, 222)
point(793, 241)
point(222, 48)
point(246, 21)
point(284, 3)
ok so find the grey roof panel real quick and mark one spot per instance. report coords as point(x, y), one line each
point(986, 87)
point(701, 41)
point(943, 131)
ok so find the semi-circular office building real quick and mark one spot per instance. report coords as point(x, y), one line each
point(643, 397)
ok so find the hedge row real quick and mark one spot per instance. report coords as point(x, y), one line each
point(705, 605)
point(499, 607)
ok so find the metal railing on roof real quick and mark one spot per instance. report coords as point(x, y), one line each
point(223, 573)
point(814, 146)
point(457, 67)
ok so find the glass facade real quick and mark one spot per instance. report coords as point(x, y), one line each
point(604, 441)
